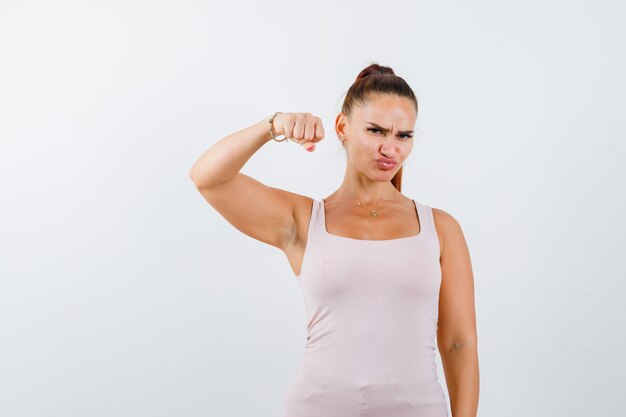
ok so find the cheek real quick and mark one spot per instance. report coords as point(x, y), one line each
point(363, 155)
point(369, 147)
point(368, 153)
point(363, 149)
point(407, 151)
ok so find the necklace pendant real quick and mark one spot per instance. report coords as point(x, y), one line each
point(373, 213)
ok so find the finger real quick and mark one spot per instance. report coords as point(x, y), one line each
point(288, 128)
point(298, 130)
point(309, 131)
point(319, 129)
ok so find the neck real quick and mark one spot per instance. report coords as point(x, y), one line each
point(369, 195)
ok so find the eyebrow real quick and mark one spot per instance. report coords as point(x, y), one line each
point(387, 130)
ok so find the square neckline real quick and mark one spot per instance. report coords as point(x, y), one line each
point(327, 233)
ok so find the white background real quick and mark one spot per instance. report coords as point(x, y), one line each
point(123, 293)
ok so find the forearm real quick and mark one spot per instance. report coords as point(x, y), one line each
point(224, 159)
point(462, 379)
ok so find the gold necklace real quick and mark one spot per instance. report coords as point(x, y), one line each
point(373, 212)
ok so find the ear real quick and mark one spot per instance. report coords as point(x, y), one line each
point(340, 124)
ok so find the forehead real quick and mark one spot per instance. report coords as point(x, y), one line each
point(386, 110)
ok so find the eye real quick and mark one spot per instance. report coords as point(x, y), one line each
point(404, 136)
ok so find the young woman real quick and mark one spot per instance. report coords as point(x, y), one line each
point(386, 279)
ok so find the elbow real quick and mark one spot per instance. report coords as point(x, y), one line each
point(195, 177)
point(202, 182)
point(455, 344)
point(456, 347)
point(192, 176)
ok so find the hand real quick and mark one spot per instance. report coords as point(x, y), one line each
point(302, 128)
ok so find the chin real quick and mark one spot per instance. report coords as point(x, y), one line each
point(385, 175)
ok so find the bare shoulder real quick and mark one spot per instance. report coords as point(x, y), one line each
point(447, 226)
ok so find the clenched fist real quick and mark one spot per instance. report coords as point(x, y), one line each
point(302, 128)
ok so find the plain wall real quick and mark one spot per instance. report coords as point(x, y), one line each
point(123, 293)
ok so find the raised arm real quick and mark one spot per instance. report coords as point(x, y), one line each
point(260, 211)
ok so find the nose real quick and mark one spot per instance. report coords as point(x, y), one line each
point(388, 146)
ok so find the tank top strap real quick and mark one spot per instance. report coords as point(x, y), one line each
point(427, 222)
point(315, 220)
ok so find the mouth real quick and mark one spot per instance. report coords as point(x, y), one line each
point(385, 163)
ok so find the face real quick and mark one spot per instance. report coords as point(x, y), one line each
point(380, 129)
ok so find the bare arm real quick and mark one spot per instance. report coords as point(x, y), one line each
point(456, 335)
point(260, 211)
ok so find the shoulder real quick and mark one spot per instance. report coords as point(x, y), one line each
point(444, 219)
point(448, 227)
